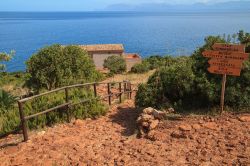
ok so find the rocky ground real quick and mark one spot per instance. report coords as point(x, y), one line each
point(112, 140)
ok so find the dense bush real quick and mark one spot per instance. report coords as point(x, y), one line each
point(115, 64)
point(55, 66)
point(141, 67)
point(153, 62)
point(185, 83)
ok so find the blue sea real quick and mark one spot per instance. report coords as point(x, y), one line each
point(143, 33)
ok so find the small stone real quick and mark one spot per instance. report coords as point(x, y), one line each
point(146, 117)
point(244, 118)
point(210, 125)
point(177, 134)
point(153, 124)
point(145, 124)
point(185, 127)
point(171, 110)
point(78, 122)
point(159, 114)
point(196, 126)
point(41, 133)
point(148, 110)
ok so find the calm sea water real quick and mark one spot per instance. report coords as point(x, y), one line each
point(143, 33)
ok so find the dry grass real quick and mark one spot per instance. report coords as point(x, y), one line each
point(132, 77)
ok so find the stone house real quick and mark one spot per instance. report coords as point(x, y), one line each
point(100, 52)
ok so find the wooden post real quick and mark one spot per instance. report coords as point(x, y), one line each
point(109, 94)
point(67, 100)
point(130, 89)
point(120, 91)
point(95, 91)
point(224, 79)
point(124, 88)
point(23, 121)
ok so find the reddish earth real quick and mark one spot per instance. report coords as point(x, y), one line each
point(111, 140)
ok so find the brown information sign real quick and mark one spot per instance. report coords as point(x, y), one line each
point(225, 59)
point(224, 70)
point(229, 47)
point(226, 63)
point(225, 55)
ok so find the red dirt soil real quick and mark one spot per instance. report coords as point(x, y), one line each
point(111, 140)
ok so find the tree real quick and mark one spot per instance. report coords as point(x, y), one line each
point(5, 57)
point(115, 64)
point(55, 66)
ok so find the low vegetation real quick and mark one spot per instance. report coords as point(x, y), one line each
point(115, 64)
point(185, 84)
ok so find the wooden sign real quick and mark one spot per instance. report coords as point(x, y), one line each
point(225, 55)
point(225, 59)
point(225, 63)
point(224, 70)
point(228, 47)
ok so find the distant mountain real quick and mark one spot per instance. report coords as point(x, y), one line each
point(164, 7)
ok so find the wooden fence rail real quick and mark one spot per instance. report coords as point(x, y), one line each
point(126, 90)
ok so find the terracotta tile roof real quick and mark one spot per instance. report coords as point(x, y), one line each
point(131, 56)
point(103, 47)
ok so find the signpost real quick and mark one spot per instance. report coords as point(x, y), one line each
point(226, 59)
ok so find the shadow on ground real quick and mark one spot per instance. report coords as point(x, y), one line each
point(126, 117)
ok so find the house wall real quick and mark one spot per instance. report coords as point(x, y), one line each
point(131, 62)
point(99, 59)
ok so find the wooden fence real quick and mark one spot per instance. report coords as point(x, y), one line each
point(127, 89)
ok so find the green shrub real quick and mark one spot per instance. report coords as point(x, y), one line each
point(6, 99)
point(115, 64)
point(155, 61)
point(184, 83)
point(56, 66)
point(140, 68)
point(170, 86)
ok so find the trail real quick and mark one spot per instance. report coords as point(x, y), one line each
point(111, 140)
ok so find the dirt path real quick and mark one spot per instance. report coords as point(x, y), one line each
point(111, 140)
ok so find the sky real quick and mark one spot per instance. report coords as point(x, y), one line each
point(83, 5)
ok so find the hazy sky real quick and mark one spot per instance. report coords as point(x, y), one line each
point(82, 5)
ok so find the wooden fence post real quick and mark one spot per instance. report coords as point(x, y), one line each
point(130, 89)
point(23, 121)
point(109, 94)
point(95, 91)
point(124, 88)
point(224, 79)
point(120, 91)
point(67, 100)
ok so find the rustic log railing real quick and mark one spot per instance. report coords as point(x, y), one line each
point(126, 90)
